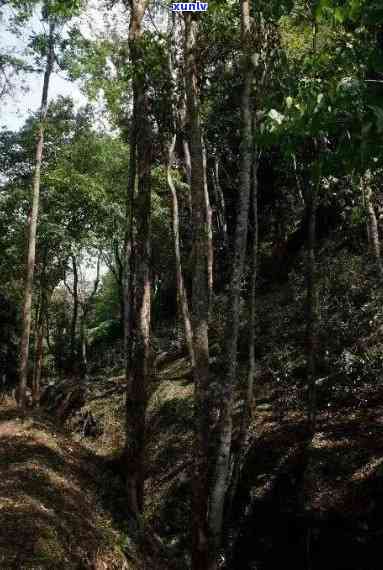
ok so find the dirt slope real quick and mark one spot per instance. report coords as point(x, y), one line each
point(50, 510)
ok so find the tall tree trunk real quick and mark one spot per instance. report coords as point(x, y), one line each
point(128, 267)
point(73, 328)
point(84, 322)
point(38, 367)
point(32, 223)
point(220, 203)
point(224, 431)
point(84, 351)
point(181, 290)
point(119, 262)
point(140, 370)
point(39, 348)
point(243, 436)
point(186, 149)
point(372, 222)
point(209, 227)
point(200, 306)
point(312, 300)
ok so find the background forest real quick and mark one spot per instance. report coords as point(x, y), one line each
point(191, 284)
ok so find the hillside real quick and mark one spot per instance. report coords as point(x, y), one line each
point(52, 512)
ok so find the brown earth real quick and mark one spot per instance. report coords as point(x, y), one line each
point(50, 511)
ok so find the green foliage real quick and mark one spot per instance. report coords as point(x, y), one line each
point(107, 302)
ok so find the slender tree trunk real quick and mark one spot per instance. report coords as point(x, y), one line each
point(186, 149)
point(128, 275)
point(47, 333)
point(312, 301)
point(209, 227)
point(372, 222)
point(119, 264)
point(84, 322)
point(84, 355)
point(243, 437)
point(39, 353)
point(200, 303)
point(224, 431)
point(32, 223)
point(181, 290)
point(220, 203)
point(140, 370)
point(73, 328)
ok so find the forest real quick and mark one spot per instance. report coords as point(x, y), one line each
point(191, 321)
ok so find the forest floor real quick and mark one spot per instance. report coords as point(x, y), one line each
point(329, 485)
point(51, 510)
point(60, 507)
point(317, 502)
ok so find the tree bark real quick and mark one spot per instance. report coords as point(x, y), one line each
point(243, 437)
point(73, 328)
point(128, 269)
point(220, 203)
point(209, 227)
point(41, 323)
point(200, 305)
point(225, 403)
point(140, 370)
point(372, 222)
point(39, 362)
point(181, 290)
point(186, 149)
point(32, 223)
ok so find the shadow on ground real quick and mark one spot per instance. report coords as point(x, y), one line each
point(313, 503)
point(50, 512)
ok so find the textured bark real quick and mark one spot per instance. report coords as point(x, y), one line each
point(139, 371)
point(32, 224)
point(220, 203)
point(209, 227)
point(186, 149)
point(39, 351)
point(243, 437)
point(181, 290)
point(372, 222)
point(200, 305)
point(128, 269)
point(117, 265)
point(73, 327)
point(225, 403)
point(84, 348)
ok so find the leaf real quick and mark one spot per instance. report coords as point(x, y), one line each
point(289, 102)
point(276, 116)
point(339, 15)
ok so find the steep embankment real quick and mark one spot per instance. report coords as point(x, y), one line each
point(51, 511)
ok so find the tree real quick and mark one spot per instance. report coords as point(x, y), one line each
point(221, 471)
point(138, 319)
point(32, 222)
point(54, 13)
point(200, 302)
point(181, 289)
